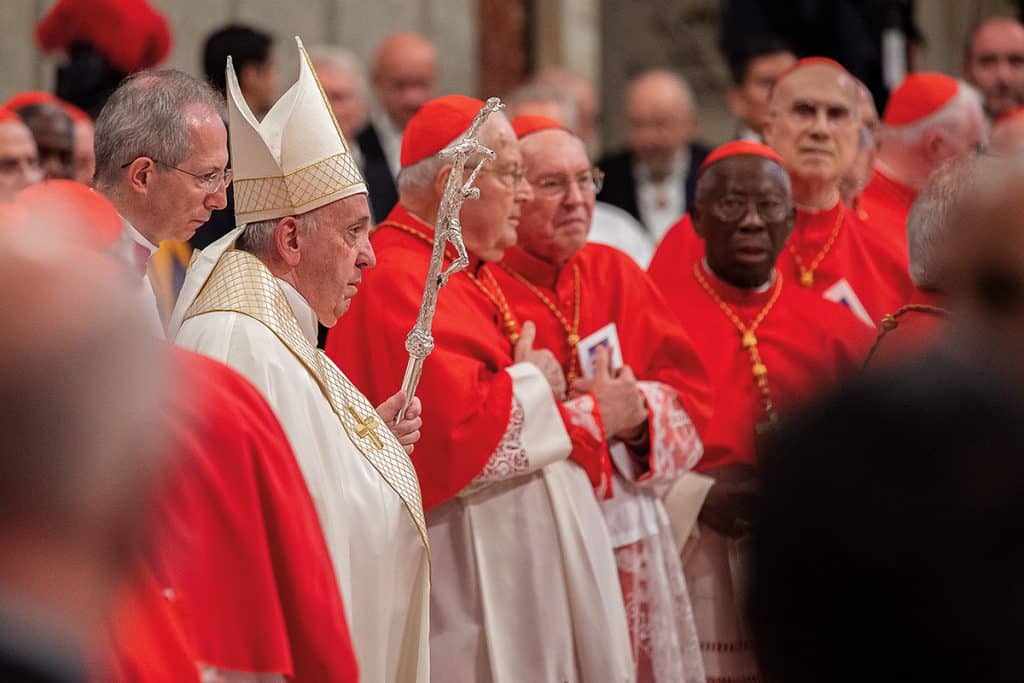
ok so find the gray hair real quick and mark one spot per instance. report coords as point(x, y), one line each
point(344, 60)
point(928, 221)
point(145, 116)
point(547, 94)
point(257, 238)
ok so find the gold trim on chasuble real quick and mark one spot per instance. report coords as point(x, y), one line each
point(240, 283)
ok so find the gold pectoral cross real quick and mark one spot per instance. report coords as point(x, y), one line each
point(367, 427)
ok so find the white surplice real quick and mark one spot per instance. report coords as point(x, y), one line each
point(525, 582)
point(362, 492)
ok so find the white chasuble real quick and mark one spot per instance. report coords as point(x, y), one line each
point(363, 484)
point(525, 583)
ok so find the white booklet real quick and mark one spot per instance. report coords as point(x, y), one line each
point(607, 336)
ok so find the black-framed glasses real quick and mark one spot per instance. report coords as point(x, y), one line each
point(589, 182)
point(733, 209)
point(209, 182)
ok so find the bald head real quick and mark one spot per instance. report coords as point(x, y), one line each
point(404, 75)
point(661, 118)
point(814, 124)
point(994, 63)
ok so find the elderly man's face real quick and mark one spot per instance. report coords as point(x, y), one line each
point(660, 122)
point(405, 77)
point(179, 201)
point(53, 131)
point(996, 65)
point(489, 223)
point(19, 162)
point(555, 223)
point(744, 215)
point(344, 97)
point(332, 257)
point(814, 124)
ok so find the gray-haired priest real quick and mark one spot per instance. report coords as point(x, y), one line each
point(253, 300)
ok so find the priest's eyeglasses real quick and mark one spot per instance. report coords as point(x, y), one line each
point(589, 182)
point(733, 209)
point(211, 182)
point(509, 177)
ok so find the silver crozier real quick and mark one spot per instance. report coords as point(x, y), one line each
point(447, 230)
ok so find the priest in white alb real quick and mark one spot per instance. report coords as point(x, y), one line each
point(253, 300)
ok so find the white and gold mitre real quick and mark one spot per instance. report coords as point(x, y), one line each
point(293, 161)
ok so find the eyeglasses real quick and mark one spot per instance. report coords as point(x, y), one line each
point(209, 182)
point(732, 209)
point(510, 178)
point(589, 182)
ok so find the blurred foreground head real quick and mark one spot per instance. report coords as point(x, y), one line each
point(81, 386)
point(905, 566)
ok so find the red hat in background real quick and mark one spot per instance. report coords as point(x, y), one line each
point(526, 124)
point(919, 95)
point(84, 213)
point(436, 124)
point(739, 148)
point(7, 115)
point(131, 34)
point(31, 98)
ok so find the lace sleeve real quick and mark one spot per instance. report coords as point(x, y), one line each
point(675, 446)
point(509, 458)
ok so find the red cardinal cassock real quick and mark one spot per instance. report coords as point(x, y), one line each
point(524, 576)
point(238, 555)
point(909, 332)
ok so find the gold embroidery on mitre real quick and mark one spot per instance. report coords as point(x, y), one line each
point(240, 283)
point(300, 188)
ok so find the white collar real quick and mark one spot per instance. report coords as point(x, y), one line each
point(130, 232)
point(303, 312)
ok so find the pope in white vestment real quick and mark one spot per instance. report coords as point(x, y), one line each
point(233, 308)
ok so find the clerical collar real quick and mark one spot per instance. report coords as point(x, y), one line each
point(533, 268)
point(760, 289)
point(304, 313)
point(808, 210)
point(677, 168)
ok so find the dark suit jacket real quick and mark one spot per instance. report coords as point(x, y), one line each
point(620, 185)
point(379, 181)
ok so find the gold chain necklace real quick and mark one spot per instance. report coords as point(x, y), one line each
point(748, 341)
point(572, 330)
point(807, 274)
point(493, 293)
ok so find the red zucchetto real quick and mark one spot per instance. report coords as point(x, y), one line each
point(739, 148)
point(526, 124)
point(919, 95)
point(436, 125)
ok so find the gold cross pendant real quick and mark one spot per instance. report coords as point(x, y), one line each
point(367, 427)
point(807, 278)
